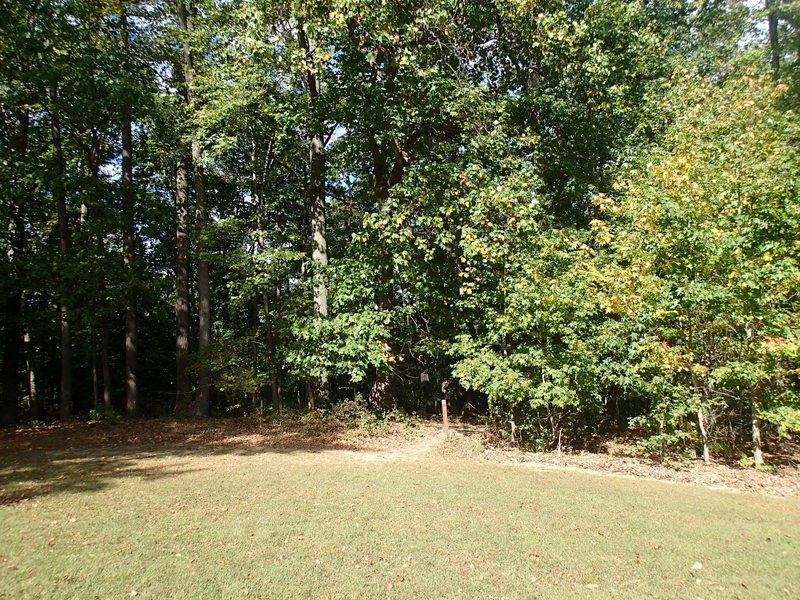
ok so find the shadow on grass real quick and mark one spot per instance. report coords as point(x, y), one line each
point(88, 457)
point(26, 480)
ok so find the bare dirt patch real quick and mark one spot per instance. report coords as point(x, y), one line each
point(210, 433)
point(338, 441)
point(783, 481)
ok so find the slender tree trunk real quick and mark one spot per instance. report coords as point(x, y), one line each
point(93, 361)
point(316, 192)
point(65, 402)
point(89, 201)
point(758, 458)
point(105, 367)
point(9, 405)
point(310, 399)
point(275, 388)
point(701, 421)
point(319, 245)
point(774, 42)
point(9, 409)
point(382, 391)
point(182, 391)
point(131, 333)
point(203, 400)
point(9, 415)
point(701, 426)
point(273, 372)
point(34, 408)
point(59, 195)
point(129, 250)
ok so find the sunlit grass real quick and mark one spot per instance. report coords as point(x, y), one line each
point(236, 523)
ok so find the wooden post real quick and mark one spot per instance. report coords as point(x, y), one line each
point(445, 424)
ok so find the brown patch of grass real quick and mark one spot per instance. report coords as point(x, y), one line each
point(307, 431)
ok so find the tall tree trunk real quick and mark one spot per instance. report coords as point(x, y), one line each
point(93, 361)
point(382, 391)
point(182, 388)
point(275, 388)
point(129, 250)
point(182, 398)
point(9, 415)
point(60, 197)
point(273, 371)
point(774, 42)
point(701, 426)
point(9, 406)
point(319, 245)
point(316, 192)
point(129, 258)
point(203, 400)
point(758, 458)
point(105, 368)
point(9, 409)
point(701, 420)
point(34, 407)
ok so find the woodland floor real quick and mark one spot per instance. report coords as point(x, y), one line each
point(231, 509)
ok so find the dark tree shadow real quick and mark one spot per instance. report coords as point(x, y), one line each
point(28, 479)
point(88, 457)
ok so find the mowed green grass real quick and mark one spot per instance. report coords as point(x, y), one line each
point(247, 523)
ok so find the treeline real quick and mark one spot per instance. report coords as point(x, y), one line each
point(569, 217)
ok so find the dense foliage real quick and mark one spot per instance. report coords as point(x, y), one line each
point(569, 217)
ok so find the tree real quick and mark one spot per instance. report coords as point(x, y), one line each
point(707, 218)
point(129, 241)
point(182, 385)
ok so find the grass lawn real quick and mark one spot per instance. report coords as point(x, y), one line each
point(178, 522)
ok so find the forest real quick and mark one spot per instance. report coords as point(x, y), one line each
point(564, 217)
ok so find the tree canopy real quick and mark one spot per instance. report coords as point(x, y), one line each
point(568, 217)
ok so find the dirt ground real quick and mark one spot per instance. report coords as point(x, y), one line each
point(194, 432)
point(421, 441)
point(783, 481)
